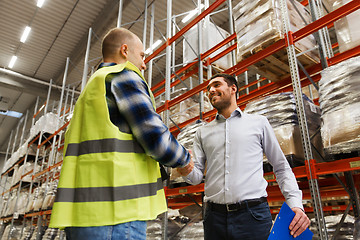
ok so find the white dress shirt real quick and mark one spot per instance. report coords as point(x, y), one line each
point(232, 150)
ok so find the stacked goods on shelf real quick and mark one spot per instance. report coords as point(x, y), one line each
point(194, 230)
point(186, 138)
point(332, 223)
point(347, 31)
point(27, 232)
point(280, 110)
point(339, 100)
point(51, 233)
point(24, 169)
point(14, 232)
point(48, 123)
point(50, 196)
point(258, 24)
point(211, 36)
point(186, 109)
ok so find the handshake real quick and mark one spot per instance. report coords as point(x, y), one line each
point(184, 171)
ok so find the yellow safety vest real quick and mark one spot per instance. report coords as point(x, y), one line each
point(106, 177)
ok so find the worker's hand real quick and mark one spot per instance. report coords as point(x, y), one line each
point(184, 171)
point(299, 223)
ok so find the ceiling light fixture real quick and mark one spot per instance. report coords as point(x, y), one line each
point(157, 43)
point(12, 114)
point(12, 61)
point(191, 14)
point(40, 3)
point(25, 34)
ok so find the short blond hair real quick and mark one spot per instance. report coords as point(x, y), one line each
point(114, 39)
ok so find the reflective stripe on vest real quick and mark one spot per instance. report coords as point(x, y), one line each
point(105, 194)
point(106, 177)
point(102, 146)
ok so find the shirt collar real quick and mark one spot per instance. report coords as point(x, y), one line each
point(236, 112)
point(106, 64)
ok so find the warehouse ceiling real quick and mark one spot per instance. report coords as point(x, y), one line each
point(60, 29)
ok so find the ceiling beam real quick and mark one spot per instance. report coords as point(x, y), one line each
point(19, 82)
point(99, 26)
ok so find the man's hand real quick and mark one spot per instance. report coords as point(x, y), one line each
point(299, 223)
point(184, 171)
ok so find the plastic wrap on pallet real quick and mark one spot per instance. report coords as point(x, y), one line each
point(280, 110)
point(50, 122)
point(38, 202)
point(339, 101)
point(332, 222)
point(192, 231)
point(12, 232)
point(50, 195)
point(51, 233)
point(27, 233)
point(23, 169)
point(187, 109)
point(211, 35)
point(258, 23)
point(22, 200)
point(347, 31)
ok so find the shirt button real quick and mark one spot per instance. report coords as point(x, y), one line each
point(227, 172)
point(226, 189)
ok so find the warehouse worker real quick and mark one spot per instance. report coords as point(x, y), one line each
point(110, 183)
point(231, 147)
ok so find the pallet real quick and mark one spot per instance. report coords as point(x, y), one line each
point(276, 67)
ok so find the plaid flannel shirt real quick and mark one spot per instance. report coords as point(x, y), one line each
point(131, 110)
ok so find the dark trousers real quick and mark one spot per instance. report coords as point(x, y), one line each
point(251, 223)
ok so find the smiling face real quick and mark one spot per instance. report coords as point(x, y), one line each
point(220, 93)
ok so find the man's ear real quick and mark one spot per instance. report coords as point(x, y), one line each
point(124, 50)
point(233, 88)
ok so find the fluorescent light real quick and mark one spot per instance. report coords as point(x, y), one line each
point(191, 14)
point(40, 3)
point(11, 114)
point(155, 44)
point(12, 61)
point(25, 34)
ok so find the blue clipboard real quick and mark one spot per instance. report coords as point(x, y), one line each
point(280, 229)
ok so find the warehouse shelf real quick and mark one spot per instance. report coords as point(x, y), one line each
point(324, 168)
point(281, 44)
point(49, 144)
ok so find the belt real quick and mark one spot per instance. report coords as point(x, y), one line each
point(224, 208)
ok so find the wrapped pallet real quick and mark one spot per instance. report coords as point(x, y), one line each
point(339, 100)
point(187, 109)
point(258, 24)
point(211, 36)
point(280, 110)
point(347, 31)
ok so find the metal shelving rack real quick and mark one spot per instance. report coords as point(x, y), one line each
point(296, 80)
point(51, 145)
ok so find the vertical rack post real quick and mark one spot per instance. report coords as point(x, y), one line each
point(86, 61)
point(144, 29)
point(231, 29)
point(200, 63)
point(294, 71)
point(152, 24)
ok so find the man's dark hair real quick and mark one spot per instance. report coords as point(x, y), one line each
point(229, 79)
